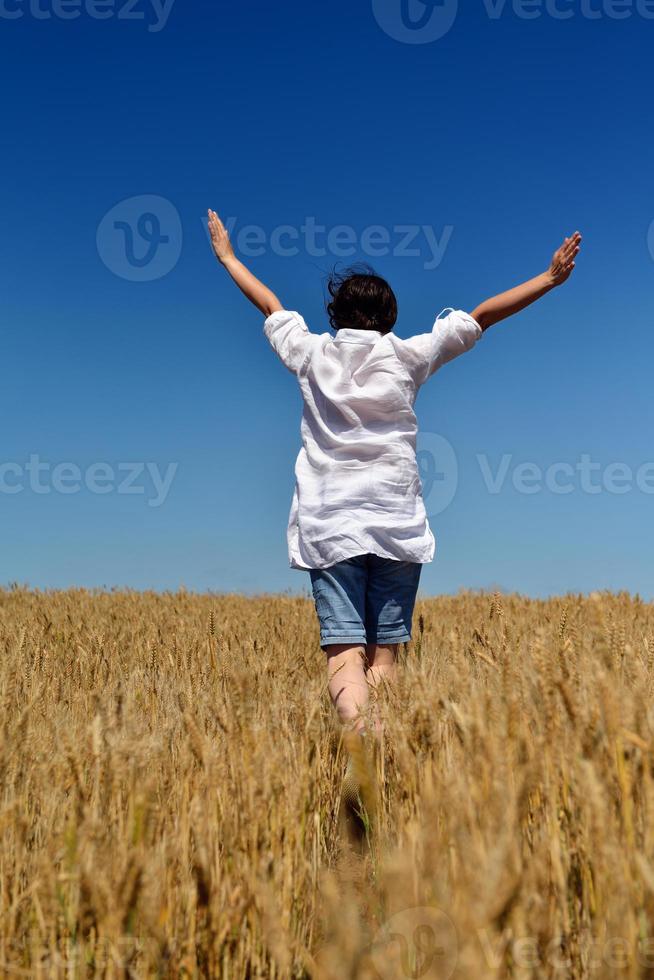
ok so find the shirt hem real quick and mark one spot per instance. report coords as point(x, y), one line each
point(298, 565)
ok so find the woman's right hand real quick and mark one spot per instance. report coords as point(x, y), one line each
point(219, 238)
point(563, 261)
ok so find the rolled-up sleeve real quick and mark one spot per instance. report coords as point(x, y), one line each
point(289, 337)
point(451, 335)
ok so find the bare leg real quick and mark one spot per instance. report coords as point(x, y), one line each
point(382, 663)
point(382, 669)
point(348, 686)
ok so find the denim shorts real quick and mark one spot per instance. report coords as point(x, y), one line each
point(366, 599)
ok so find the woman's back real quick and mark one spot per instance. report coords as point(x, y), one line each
point(358, 487)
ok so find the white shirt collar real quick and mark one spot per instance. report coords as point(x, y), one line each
point(348, 335)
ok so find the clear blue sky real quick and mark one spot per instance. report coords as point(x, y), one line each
point(508, 130)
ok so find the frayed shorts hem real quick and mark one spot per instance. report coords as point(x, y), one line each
point(362, 641)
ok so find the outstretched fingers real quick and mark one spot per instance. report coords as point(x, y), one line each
point(215, 224)
point(219, 237)
point(563, 261)
point(571, 246)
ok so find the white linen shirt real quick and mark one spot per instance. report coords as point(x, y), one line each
point(357, 484)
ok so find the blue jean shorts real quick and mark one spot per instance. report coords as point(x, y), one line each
point(366, 599)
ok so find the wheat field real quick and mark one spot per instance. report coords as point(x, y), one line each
point(171, 776)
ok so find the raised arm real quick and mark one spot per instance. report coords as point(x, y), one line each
point(250, 286)
point(506, 304)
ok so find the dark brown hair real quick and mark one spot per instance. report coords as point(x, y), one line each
point(361, 300)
